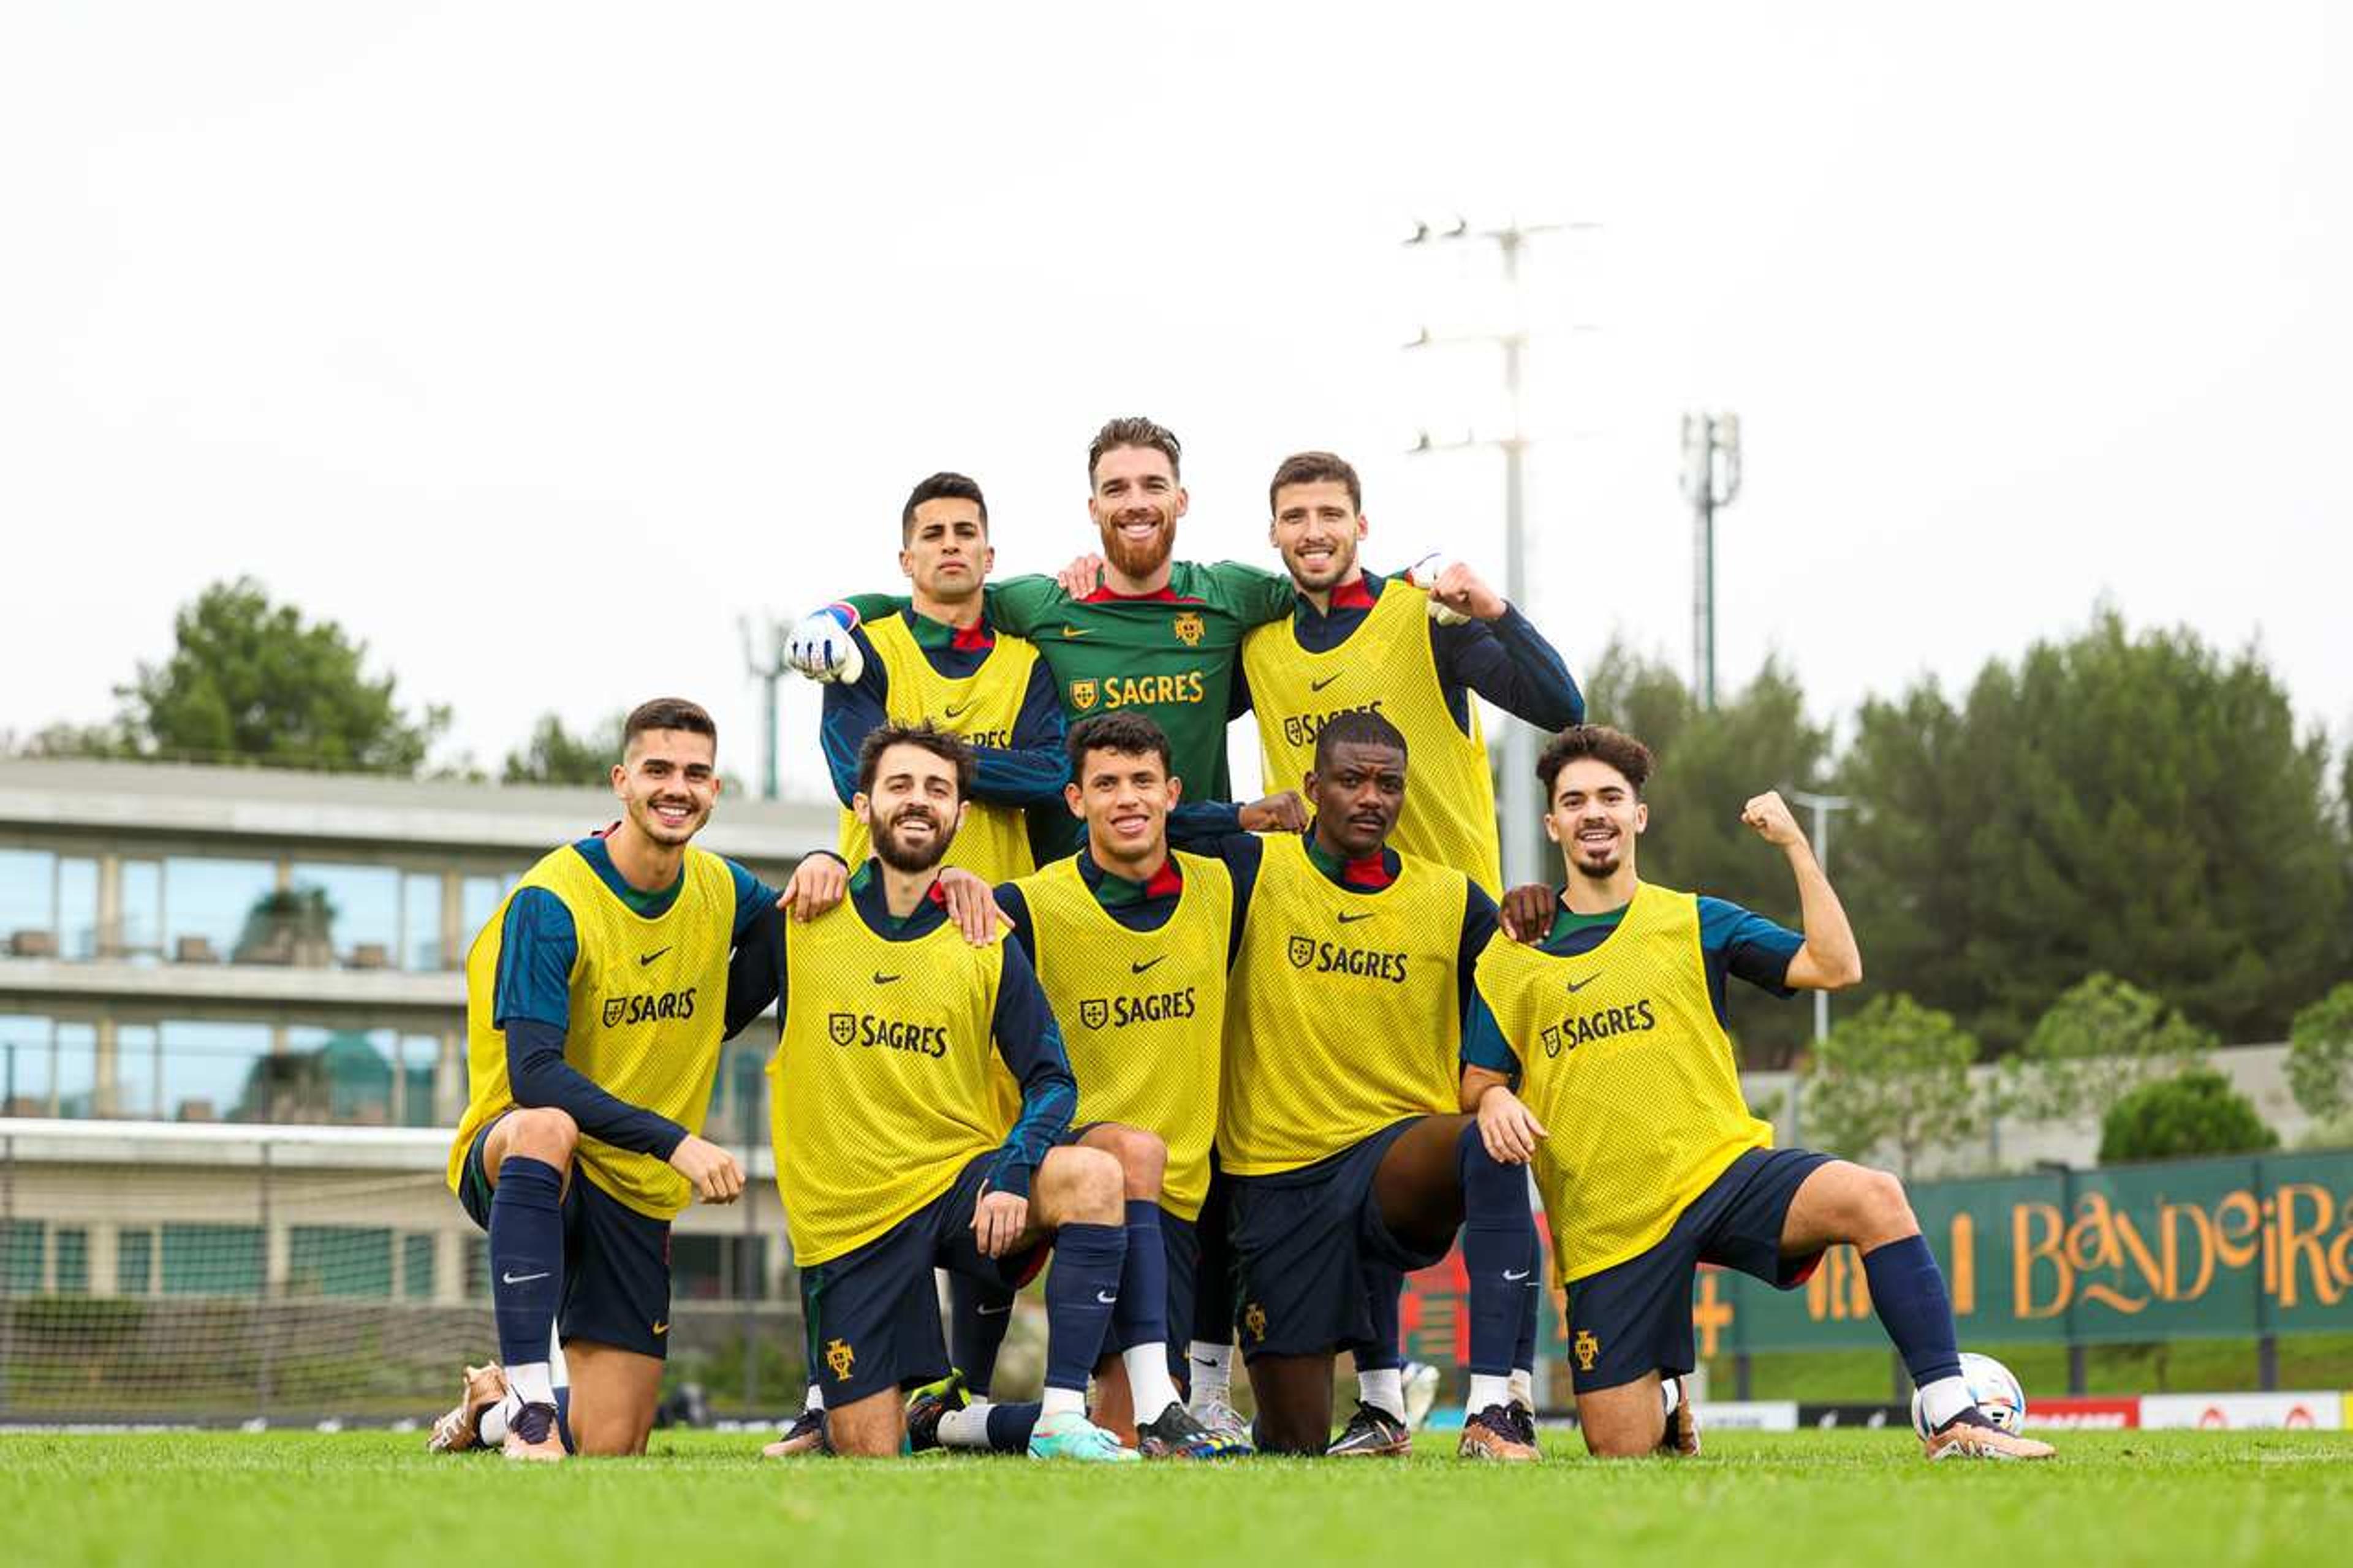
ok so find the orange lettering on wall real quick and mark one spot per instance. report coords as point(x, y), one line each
point(1839, 1289)
point(1965, 1265)
point(2169, 1227)
point(2094, 1244)
point(2026, 1250)
point(2294, 1244)
point(2236, 1242)
point(2271, 1247)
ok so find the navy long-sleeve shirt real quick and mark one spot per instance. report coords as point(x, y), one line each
point(1023, 1026)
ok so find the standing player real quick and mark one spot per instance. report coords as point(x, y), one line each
point(1356, 640)
point(1347, 1162)
point(1154, 636)
point(1628, 1103)
point(593, 1002)
point(895, 1153)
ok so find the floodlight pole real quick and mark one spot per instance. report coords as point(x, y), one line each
point(1821, 805)
point(1711, 479)
point(768, 672)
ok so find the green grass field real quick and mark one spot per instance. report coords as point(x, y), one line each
point(1818, 1498)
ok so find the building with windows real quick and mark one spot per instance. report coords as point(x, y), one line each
point(193, 956)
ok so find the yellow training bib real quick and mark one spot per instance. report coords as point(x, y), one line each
point(1386, 667)
point(886, 1082)
point(1622, 1061)
point(1142, 1013)
point(649, 1001)
point(1345, 1013)
point(983, 707)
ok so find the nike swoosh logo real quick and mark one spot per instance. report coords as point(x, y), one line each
point(882, 979)
point(1512, 1278)
point(1320, 685)
point(662, 1327)
point(1577, 985)
point(957, 711)
point(644, 959)
point(1077, 631)
point(1352, 919)
point(993, 1311)
point(1140, 968)
point(1108, 1298)
point(521, 1279)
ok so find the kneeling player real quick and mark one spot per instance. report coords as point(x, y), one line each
point(1347, 1161)
point(896, 1150)
point(1628, 1105)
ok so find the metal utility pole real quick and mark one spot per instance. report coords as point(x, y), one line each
point(1821, 805)
point(1523, 854)
point(1711, 479)
point(768, 671)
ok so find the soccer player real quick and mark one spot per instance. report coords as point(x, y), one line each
point(1156, 636)
point(895, 1151)
point(1131, 941)
point(1356, 640)
point(1600, 1057)
point(594, 1012)
point(1338, 1130)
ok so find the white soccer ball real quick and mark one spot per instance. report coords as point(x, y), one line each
point(1994, 1388)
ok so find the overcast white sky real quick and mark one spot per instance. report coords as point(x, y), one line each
point(537, 343)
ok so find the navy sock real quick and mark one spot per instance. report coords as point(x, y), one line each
point(1497, 1234)
point(526, 1257)
point(1907, 1291)
point(1009, 1426)
point(979, 1316)
point(1082, 1290)
point(1524, 1353)
point(1384, 1289)
point(1142, 1316)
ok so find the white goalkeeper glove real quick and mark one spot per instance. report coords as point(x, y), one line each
point(1424, 575)
point(822, 648)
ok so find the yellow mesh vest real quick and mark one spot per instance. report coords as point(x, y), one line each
point(880, 1090)
point(1344, 1014)
point(994, 842)
point(1386, 666)
point(1622, 1061)
point(649, 1001)
point(1143, 1013)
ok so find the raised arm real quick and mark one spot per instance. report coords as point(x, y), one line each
point(1829, 960)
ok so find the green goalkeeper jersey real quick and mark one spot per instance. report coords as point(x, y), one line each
point(1171, 656)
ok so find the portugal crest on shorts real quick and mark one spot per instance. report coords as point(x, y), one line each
point(1552, 1040)
point(1302, 951)
point(1189, 628)
point(1084, 694)
point(840, 1357)
point(1094, 1012)
point(1254, 1320)
point(843, 1027)
point(1585, 1349)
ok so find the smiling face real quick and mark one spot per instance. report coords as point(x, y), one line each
point(1125, 797)
point(912, 809)
point(1357, 795)
point(947, 555)
point(666, 782)
point(1135, 504)
point(1595, 815)
point(1316, 527)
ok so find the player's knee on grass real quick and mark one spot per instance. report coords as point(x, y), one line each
point(1294, 1394)
point(1082, 1185)
point(1622, 1423)
point(873, 1428)
point(1143, 1157)
point(537, 1132)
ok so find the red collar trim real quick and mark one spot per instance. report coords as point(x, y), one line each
point(1355, 595)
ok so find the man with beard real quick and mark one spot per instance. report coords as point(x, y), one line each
point(1599, 1055)
point(594, 1022)
point(1346, 1160)
point(895, 1152)
point(1416, 655)
point(1154, 636)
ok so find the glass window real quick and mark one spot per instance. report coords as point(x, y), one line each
point(478, 899)
point(24, 1259)
point(208, 905)
point(417, 1267)
point(141, 931)
point(74, 1075)
point(134, 1261)
point(361, 906)
point(138, 1071)
point(338, 1261)
point(412, 1091)
point(478, 1268)
point(342, 1076)
point(29, 892)
point(420, 922)
point(710, 1267)
point(219, 1072)
point(78, 908)
point(72, 1264)
point(25, 1052)
point(212, 1260)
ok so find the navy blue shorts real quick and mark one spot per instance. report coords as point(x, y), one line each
point(872, 1315)
point(1301, 1240)
point(615, 1262)
point(1635, 1317)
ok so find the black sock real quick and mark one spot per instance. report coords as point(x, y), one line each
point(1142, 1316)
point(979, 1316)
point(1082, 1290)
point(1524, 1352)
point(526, 1257)
point(1497, 1235)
